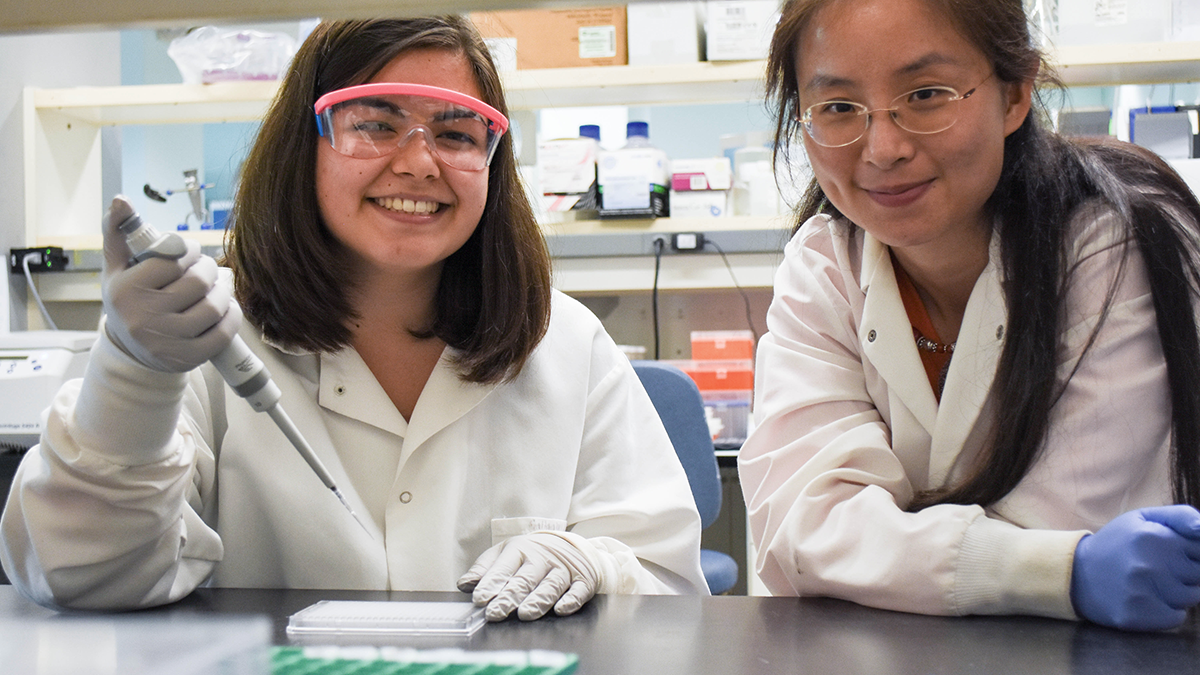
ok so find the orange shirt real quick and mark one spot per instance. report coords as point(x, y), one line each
point(935, 362)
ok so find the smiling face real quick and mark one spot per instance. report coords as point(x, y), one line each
point(407, 211)
point(911, 191)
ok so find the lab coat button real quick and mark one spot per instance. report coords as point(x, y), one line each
point(1000, 332)
point(340, 389)
point(405, 497)
point(871, 336)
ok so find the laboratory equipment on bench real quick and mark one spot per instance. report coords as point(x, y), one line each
point(241, 369)
point(33, 365)
point(193, 188)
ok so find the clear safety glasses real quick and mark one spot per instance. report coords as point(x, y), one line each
point(373, 120)
point(927, 110)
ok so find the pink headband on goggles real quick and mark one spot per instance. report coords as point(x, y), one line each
point(372, 120)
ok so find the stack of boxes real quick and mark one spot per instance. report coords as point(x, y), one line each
point(722, 366)
point(644, 33)
point(700, 188)
point(640, 34)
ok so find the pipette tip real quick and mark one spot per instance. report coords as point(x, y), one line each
point(341, 498)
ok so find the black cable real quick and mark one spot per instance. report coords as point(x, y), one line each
point(745, 298)
point(33, 289)
point(658, 251)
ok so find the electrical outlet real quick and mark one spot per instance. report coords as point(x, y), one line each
point(687, 242)
point(43, 259)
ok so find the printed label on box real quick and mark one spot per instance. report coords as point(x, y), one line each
point(597, 42)
point(626, 192)
point(700, 204)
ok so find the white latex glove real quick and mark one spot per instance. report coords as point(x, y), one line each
point(168, 314)
point(531, 573)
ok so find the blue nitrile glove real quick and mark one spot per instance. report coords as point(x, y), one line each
point(1141, 571)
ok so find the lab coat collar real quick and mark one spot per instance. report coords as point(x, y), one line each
point(893, 353)
point(445, 398)
point(972, 370)
point(886, 336)
point(348, 388)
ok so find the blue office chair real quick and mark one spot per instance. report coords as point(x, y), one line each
point(678, 403)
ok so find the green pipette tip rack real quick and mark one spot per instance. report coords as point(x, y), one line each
point(351, 661)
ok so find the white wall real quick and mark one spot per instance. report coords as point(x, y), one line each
point(41, 60)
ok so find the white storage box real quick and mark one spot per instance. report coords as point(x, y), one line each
point(701, 188)
point(710, 173)
point(739, 30)
point(1084, 22)
point(634, 182)
point(663, 33)
point(701, 204)
point(567, 170)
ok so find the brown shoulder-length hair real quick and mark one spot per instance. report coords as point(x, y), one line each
point(293, 279)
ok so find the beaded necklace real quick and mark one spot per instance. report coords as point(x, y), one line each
point(932, 346)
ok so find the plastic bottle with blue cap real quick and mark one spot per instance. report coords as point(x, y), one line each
point(635, 180)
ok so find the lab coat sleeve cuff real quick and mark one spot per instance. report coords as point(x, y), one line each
point(618, 570)
point(1004, 569)
point(126, 412)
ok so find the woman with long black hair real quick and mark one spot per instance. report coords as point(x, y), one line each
point(980, 392)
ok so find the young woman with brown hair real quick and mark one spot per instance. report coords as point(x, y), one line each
point(397, 287)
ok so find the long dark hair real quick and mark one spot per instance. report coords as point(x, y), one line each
point(293, 278)
point(1044, 180)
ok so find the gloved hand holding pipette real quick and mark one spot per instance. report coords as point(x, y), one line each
point(398, 289)
point(175, 316)
point(168, 313)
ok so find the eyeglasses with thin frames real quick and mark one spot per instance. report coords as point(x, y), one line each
point(927, 110)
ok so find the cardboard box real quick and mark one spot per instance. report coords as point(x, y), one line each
point(664, 33)
point(739, 30)
point(560, 38)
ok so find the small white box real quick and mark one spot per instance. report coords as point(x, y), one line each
point(739, 30)
point(701, 204)
point(663, 33)
point(634, 181)
point(1186, 19)
point(568, 166)
point(709, 173)
point(1083, 22)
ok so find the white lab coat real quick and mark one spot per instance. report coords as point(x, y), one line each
point(573, 443)
point(849, 428)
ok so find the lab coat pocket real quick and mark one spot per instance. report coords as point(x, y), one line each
point(506, 528)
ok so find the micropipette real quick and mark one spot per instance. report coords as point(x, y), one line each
point(241, 369)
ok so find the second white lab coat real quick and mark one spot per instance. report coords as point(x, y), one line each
point(573, 443)
point(849, 429)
